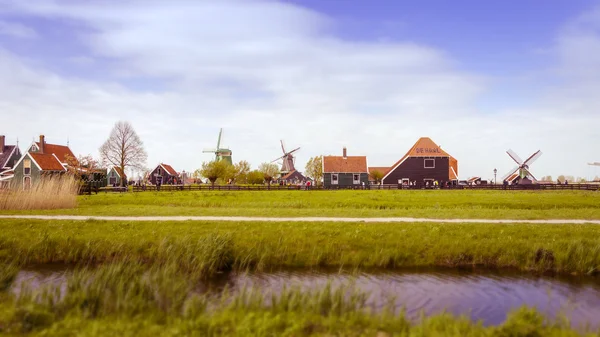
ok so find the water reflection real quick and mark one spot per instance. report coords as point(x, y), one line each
point(486, 296)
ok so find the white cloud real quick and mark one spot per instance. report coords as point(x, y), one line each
point(17, 30)
point(269, 70)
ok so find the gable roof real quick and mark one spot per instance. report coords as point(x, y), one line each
point(168, 168)
point(381, 169)
point(47, 162)
point(293, 174)
point(425, 147)
point(61, 151)
point(118, 171)
point(6, 154)
point(350, 164)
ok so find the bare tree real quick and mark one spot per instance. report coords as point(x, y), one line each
point(123, 148)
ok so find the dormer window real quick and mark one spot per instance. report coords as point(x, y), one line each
point(34, 148)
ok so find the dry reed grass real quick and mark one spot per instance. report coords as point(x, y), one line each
point(56, 192)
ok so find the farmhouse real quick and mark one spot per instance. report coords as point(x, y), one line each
point(42, 159)
point(9, 156)
point(115, 176)
point(423, 164)
point(163, 174)
point(345, 171)
point(292, 177)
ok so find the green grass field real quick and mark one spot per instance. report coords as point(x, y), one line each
point(427, 204)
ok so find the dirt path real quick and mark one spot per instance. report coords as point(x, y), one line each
point(290, 219)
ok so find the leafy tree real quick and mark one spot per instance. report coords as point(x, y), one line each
point(269, 171)
point(377, 175)
point(561, 178)
point(255, 177)
point(123, 148)
point(241, 171)
point(596, 178)
point(314, 169)
point(216, 170)
point(81, 167)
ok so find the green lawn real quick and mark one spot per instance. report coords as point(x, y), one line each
point(207, 247)
point(427, 204)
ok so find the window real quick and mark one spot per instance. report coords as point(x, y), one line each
point(334, 179)
point(27, 167)
point(356, 179)
point(158, 171)
point(33, 148)
point(429, 163)
point(26, 183)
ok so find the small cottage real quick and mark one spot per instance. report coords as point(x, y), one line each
point(345, 171)
point(9, 156)
point(42, 159)
point(163, 174)
point(115, 176)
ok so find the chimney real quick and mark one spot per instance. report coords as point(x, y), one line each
point(345, 153)
point(1, 143)
point(42, 143)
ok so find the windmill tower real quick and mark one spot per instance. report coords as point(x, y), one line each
point(288, 160)
point(220, 153)
point(521, 171)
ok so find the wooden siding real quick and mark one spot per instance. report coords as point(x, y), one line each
point(414, 169)
point(345, 179)
point(17, 180)
point(113, 177)
point(166, 178)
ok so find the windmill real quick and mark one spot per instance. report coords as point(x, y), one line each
point(288, 160)
point(521, 171)
point(220, 153)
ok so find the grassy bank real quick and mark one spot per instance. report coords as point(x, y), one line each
point(430, 204)
point(207, 247)
point(132, 300)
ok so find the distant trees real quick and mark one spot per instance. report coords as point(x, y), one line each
point(547, 178)
point(269, 171)
point(241, 171)
point(82, 166)
point(314, 169)
point(123, 148)
point(216, 169)
point(377, 175)
point(255, 177)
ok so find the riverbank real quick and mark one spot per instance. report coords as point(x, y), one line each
point(209, 247)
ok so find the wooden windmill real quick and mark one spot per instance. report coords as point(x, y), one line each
point(521, 171)
point(288, 160)
point(220, 153)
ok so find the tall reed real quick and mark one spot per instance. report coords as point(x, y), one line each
point(54, 192)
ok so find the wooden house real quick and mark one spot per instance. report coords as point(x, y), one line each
point(423, 164)
point(292, 177)
point(42, 159)
point(9, 156)
point(115, 176)
point(163, 174)
point(345, 171)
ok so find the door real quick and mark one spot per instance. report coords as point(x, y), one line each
point(27, 183)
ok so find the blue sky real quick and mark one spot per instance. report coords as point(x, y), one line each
point(478, 77)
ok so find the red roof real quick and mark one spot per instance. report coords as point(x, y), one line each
point(383, 170)
point(47, 162)
point(169, 169)
point(119, 172)
point(61, 151)
point(350, 164)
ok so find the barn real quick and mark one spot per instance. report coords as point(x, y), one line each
point(423, 164)
point(163, 174)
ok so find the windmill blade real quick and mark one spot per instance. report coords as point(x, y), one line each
point(533, 158)
point(530, 174)
point(514, 157)
point(282, 147)
point(209, 150)
point(511, 172)
point(294, 150)
point(219, 139)
point(282, 157)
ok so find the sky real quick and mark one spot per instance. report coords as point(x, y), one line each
point(478, 77)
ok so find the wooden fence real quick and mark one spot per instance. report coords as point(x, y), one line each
point(171, 188)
